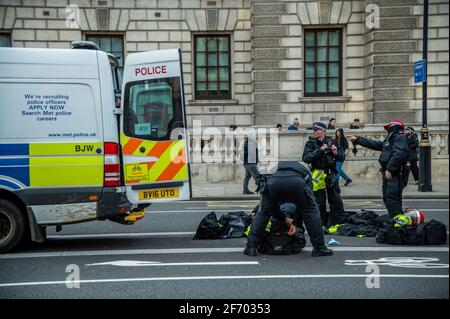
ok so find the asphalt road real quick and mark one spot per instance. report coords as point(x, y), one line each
point(157, 258)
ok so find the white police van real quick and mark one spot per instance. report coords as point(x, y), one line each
point(69, 154)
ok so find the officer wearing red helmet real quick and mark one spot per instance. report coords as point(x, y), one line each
point(393, 157)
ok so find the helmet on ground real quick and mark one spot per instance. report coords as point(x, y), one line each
point(409, 217)
point(416, 216)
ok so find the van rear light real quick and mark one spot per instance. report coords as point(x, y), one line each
point(111, 165)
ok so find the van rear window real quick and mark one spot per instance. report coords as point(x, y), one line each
point(153, 108)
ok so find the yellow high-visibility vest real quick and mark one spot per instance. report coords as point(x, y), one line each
point(318, 179)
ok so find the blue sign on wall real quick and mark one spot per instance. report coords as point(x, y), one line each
point(420, 71)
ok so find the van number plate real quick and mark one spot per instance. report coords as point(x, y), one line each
point(159, 193)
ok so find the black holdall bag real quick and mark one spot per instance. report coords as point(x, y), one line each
point(429, 233)
point(233, 224)
point(282, 244)
point(407, 235)
point(208, 228)
point(434, 232)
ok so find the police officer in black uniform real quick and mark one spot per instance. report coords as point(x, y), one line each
point(393, 157)
point(290, 183)
point(322, 152)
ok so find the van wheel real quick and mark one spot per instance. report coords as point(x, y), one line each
point(12, 225)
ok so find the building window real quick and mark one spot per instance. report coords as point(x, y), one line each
point(5, 39)
point(323, 62)
point(212, 67)
point(110, 43)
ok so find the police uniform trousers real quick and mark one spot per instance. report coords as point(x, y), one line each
point(287, 187)
point(392, 194)
point(337, 212)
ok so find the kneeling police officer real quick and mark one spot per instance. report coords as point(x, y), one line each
point(290, 183)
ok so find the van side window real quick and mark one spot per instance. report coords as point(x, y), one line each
point(153, 108)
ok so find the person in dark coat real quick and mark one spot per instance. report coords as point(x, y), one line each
point(290, 183)
point(332, 124)
point(413, 157)
point(342, 141)
point(294, 126)
point(322, 153)
point(393, 157)
point(250, 159)
point(355, 125)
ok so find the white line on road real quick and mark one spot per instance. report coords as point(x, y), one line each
point(120, 235)
point(207, 250)
point(210, 209)
point(40, 283)
point(139, 263)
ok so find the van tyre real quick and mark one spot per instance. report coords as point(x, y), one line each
point(12, 226)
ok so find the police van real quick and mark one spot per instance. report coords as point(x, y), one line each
point(70, 152)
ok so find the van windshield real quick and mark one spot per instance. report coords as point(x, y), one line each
point(153, 108)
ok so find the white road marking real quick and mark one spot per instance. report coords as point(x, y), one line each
point(403, 262)
point(140, 263)
point(119, 235)
point(116, 280)
point(123, 235)
point(208, 250)
point(211, 209)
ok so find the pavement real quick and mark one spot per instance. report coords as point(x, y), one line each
point(157, 258)
point(356, 190)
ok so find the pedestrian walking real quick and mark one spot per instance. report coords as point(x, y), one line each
point(250, 159)
point(343, 143)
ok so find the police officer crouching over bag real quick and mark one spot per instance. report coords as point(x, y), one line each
point(322, 152)
point(393, 157)
point(290, 183)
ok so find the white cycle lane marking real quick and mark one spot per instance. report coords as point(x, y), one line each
point(403, 262)
point(140, 263)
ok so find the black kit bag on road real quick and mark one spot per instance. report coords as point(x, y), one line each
point(434, 232)
point(412, 235)
point(429, 233)
point(406, 235)
point(233, 224)
point(282, 244)
point(208, 228)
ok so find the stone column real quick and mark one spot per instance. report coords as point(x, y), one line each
point(267, 53)
point(388, 49)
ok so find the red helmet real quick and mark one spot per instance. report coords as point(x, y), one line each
point(393, 123)
point(416, 216)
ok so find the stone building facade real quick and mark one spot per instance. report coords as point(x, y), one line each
point(268, 53)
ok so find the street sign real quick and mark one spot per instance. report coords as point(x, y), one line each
point(420, 71)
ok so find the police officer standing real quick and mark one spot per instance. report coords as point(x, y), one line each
point(393, 157)
point(290, 183)
point(322, 152)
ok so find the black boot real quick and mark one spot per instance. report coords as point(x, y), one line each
point(250, 251)
point(322, 250)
